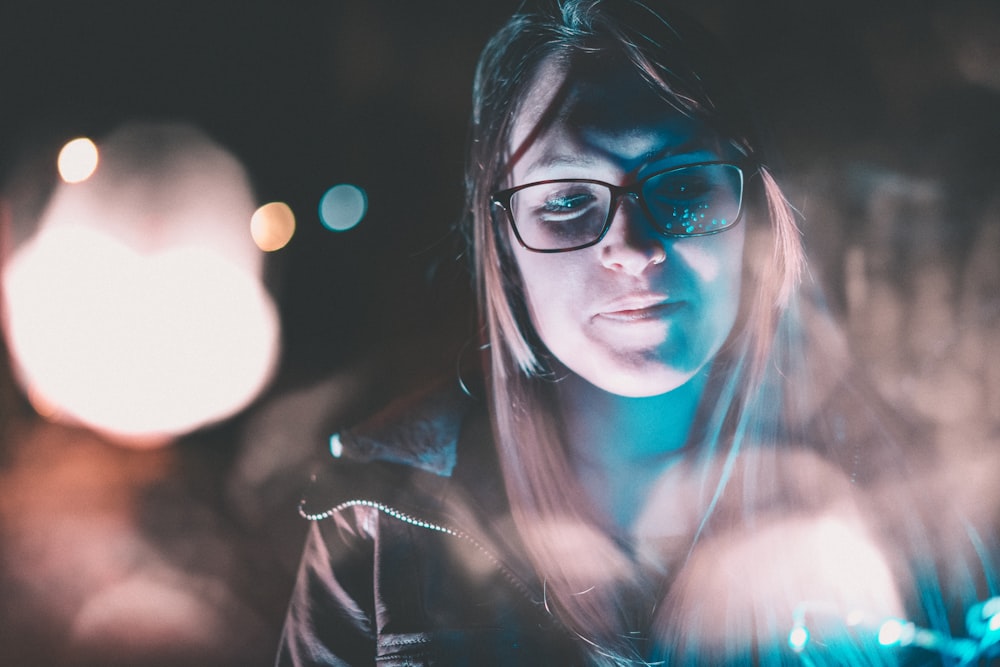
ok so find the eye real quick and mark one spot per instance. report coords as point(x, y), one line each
point(698, 199)
point(560, 214)
point(568, 203)
point(559, 202)
point(683, 187)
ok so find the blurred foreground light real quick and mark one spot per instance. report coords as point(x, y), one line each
point(891, 632)
point(342, 207)
point(798, 638)
point(272, 226)
point(137, 308)
point(855, 617)
point(77, 160)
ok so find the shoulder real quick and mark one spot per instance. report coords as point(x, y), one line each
point(405, 456)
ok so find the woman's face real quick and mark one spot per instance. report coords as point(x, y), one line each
point(638, 314)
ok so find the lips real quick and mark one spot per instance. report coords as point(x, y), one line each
point(638, 308)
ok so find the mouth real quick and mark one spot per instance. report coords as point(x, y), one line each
point(639, 310)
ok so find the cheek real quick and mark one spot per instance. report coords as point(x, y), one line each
point(542, 282)
point(714, 265)
point(553, 289)
point(704, 262)
point(714, 260)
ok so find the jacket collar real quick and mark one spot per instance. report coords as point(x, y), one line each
point(419, 431)
point(429, 455)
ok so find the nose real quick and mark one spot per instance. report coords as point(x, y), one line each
point(632, 243)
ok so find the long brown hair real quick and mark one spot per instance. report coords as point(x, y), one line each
point(603, 597)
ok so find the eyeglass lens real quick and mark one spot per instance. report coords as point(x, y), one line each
point(689, 201)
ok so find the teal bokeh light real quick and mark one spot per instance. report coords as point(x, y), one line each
point(342, 207)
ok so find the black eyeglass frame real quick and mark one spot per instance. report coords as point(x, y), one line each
point(502, 199)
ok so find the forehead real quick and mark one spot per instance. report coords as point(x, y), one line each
point(598, 112)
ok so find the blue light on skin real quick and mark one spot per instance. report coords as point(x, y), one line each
point(342, 207)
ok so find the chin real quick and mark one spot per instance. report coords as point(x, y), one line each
point(641, 383)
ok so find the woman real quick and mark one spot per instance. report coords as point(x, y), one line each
point(652, 473)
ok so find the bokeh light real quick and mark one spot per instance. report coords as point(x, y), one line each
point(137, 307)
point(77, 160)
point(891, 632)
point(342, 207)
point(138, 345)
point(798, 638)
point(855, 617)
point(272, 226)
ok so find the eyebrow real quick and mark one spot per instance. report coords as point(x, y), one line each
point(559, 160)
point(688, 146)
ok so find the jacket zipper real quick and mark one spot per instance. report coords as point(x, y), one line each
point(399, 515)
point(508, 574)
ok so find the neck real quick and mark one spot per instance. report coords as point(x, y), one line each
point(611, 430)
point(620, 445)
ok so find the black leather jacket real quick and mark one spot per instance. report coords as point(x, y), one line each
point(411, 557)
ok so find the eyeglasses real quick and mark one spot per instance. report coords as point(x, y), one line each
point(572, 213)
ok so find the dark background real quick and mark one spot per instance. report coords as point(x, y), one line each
point(884, 121)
